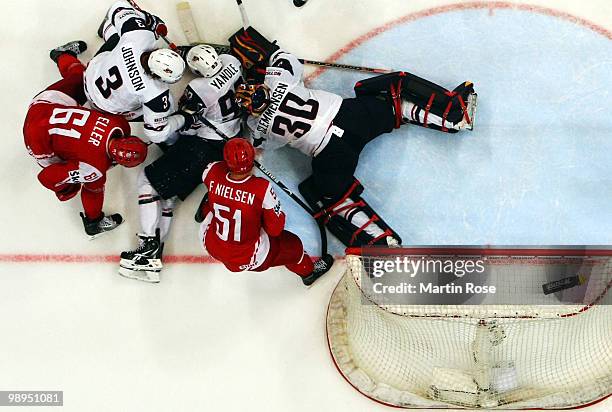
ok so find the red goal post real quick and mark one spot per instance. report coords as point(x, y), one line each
point(541, 353)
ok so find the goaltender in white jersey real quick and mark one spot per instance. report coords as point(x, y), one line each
point(132, 77)
point(296, 115)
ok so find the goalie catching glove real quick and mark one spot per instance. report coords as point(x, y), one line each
point(253, 50)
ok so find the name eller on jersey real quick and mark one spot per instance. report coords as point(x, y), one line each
point(132, 68)
point(229, 193)
point(224, 76)
point(276, 97)
point(99, 131)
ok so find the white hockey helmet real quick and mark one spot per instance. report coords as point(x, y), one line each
point(203, 60)
point(166, 64)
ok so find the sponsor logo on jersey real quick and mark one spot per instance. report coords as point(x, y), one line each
point(74, 176)
point(224, 76)
point(132, 68)
point(276, 97)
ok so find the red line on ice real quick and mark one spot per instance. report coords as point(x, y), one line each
point(476, 5)
point(77, 258)
point(198, 259)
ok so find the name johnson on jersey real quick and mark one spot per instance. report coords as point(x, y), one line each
point(132, 68)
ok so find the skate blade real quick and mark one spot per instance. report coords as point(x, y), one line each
point(471, 107)
point(97, 235)
point(154, 265)
point(148, 276)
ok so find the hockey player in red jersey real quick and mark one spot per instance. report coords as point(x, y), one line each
point(75, 146)
point(244, 223)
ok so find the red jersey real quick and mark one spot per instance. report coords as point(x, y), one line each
point(240, 217)
point(59, 132)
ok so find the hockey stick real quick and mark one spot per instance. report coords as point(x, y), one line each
point(280, 184)
point(221, 48)
point(190, 29)
point(243, 15)
point(159, 32)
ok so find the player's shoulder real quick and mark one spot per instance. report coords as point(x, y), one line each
point(218, 168)
point(157, 98)
point(228, 59)
point(261, 185)
point(202, 88)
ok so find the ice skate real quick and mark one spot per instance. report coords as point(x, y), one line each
point(97, 227)
point(75, 48)
point(321, 267)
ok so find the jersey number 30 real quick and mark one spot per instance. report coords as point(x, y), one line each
point(295, 107)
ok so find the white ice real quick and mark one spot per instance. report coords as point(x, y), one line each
point(536, 170)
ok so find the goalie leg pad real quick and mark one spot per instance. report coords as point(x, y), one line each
point(350, 218)
point(451, 106)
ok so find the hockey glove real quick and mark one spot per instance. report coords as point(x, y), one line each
point(192, 113)
point(251, 48)
point(155, 24)
point(67, 191)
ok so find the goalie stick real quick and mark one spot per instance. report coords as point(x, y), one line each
point(190, 29)
point(282, 186)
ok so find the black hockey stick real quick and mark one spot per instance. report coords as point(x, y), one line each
point(221, 48)
point(283, 187)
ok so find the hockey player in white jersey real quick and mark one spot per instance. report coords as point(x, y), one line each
point(334, 131)
point(178, 171)
point(130, 75)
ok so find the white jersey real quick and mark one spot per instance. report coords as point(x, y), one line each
point(116, 82)
point(297, 116)
point(216, 95)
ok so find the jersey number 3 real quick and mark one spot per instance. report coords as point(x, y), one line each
point(113, 82)
point(295, 107)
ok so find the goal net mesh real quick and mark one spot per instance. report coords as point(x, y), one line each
point(493, 356)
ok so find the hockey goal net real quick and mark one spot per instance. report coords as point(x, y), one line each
point(524, 350)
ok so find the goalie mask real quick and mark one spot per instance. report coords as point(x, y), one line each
point(127, 151)
point(252, 97)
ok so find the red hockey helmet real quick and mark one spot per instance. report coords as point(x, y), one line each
point(239, 155)
point(127, 151)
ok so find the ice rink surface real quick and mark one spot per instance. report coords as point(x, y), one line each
point(537, 169)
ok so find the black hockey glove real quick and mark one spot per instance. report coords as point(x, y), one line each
point(192, 113)
point(251, 48)
point(155, 24)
